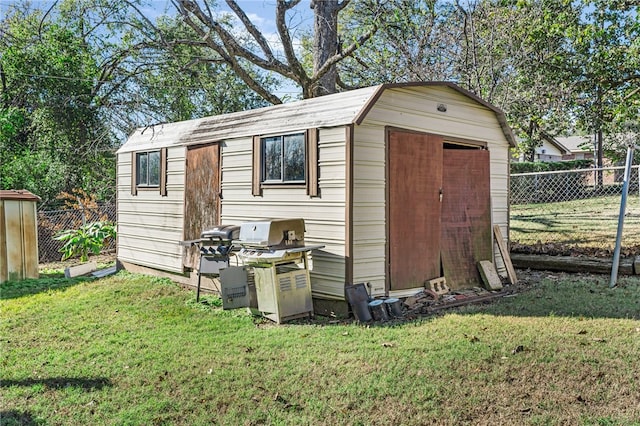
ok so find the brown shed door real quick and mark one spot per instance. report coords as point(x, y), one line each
point(202, 189)
point(466, 216)
point(414, 182)
point(428, 237)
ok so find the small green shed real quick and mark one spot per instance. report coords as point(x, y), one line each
point(18, 235)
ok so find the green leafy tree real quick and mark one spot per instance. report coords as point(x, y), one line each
point(583, 66)
point(78, 77)
point(186, 83)
point(417, 40)
point(54, 126)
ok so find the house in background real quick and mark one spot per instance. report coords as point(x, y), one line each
point(401, 183)
point(580, 147)
point(564, 148)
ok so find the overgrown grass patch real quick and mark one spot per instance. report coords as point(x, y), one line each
point(129, 349)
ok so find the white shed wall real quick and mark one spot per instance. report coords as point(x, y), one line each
point(416, 109)
point(324, 216)
point(150, 225)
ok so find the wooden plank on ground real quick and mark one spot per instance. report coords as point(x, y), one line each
point(79, 270)
point(504, 252)
point(591, 265)
point(636, 265)
point(489, 275)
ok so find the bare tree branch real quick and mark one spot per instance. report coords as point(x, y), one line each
point(342, 5)
point(255, 33)
point(281, 24)
point(44, 17)
point(344, 53)
point(226, 52)
point(219, 37)
point(229, 42)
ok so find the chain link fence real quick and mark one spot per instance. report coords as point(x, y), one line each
point(573, 211)
point(51, 222)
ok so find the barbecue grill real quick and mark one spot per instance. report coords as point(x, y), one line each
point(276, 251)
point(215, 246)
point(273, 241)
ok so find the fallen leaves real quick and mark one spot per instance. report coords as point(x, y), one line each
point(472, 339)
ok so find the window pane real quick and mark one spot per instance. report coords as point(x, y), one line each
point(272, 158)
point(142, 169)
point(294, 164)
point(154, 168)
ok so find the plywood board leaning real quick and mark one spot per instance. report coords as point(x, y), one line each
point(504, 252)
point(489, 275)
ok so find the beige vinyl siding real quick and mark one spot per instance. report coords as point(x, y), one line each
point(150, 225)
point(324, 216)
point(369, 217)
point(416, 109)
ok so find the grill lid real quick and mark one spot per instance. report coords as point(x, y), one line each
point(273, 233)
point(222, 232)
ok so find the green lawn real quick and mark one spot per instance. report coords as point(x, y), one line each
point(129, 349)
point(590, 223)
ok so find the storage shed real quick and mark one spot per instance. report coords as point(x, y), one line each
point(401, 183)
point(18, 235)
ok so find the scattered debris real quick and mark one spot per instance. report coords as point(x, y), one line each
point(79, 270)
point(412, 301)
point(438, 285)
point(105, 272)
point(431, 293)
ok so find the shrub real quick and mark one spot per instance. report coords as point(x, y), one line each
point(88, 238)
point(541, 166)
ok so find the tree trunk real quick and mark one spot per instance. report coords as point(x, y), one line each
point(599, 155)
point(325, 44)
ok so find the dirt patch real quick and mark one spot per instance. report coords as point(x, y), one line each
point(101, 259)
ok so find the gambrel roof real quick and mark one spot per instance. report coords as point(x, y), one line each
point(333, 110)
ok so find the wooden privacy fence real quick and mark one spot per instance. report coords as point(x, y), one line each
point(50, 222)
